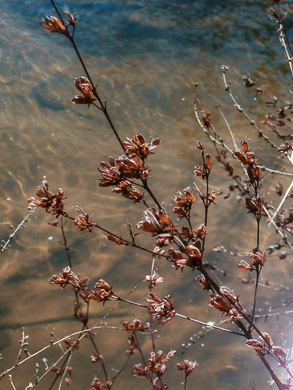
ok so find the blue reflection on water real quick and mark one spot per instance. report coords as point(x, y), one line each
point(177, 28)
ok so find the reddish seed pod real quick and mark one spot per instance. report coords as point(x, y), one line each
point(243, 265)
point(268, 339)
point(228, 293)
point(219, 303)
point(201, 280)
point(255, 344)
point(279, 352)
point(244, 145)
point(208, 161)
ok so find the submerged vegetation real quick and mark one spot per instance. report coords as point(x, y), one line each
point(179, 236)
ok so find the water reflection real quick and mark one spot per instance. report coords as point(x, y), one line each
point(146, 57)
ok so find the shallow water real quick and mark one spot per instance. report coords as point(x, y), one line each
point(146, 57)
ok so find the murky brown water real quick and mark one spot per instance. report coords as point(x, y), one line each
point(146, 57)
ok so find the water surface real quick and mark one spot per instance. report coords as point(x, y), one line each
point(146, 57)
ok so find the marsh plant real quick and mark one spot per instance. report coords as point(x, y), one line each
point(175, 236)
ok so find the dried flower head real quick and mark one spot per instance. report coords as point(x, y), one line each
point(86, 90)
point(96, 357)
point(245, 155)
point(228, 293)
point(201, 231)
point(268, 339)
point(156, 364)
point(157, 361)
point(129, 191)
point(71, 19)
point(71, 344)
point(219, 302)
point(69, 277)
point(156, 222)
point(187, 366)
point(141, 371)
point(243, 265)
point(279, 352)
point(53, 203)
point(132, 345)
point(254, 205)
point(162, 309)
point(53, 24)
point(98, 385)
point(201, 280)
point(234, 314)
point(102, 293)
point(257, 345)
point(184, 200)
point(118, 171)
point(111, 175)
point(137, 145)
point(180, 261)
point(154, 280)
point(131, 166)
point(135, 326)
point(258, 257)
point(83, 222)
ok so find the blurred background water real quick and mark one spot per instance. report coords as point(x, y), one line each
point(146, 57)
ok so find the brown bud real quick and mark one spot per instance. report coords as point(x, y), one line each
point(255, 344)
point(279, 352)
point(244, 265)
point(268, 339)
point(208, 161)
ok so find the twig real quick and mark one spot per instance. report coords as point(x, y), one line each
point(6, 244)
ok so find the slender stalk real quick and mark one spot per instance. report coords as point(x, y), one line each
point(272, 373)
point(185, 382)
point(150, 314)
point(67, 358)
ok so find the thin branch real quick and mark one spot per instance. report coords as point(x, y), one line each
point(6, 244)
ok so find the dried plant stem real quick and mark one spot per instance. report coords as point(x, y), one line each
point(208, 324)
point(81, 334)
point(65, 370)
point(86, 317)
point(103, 105)
point(215, 141)
point(5, 244)
point(11, 382)
point(65, 243)
point(120, 371)
point(283, 38)
point(182, 316)
point(255, 294)
point(139, 349)
point(272, 373)
point(125, 242)
point(219, 140)
point(229, 128)
point(264, 168)
point(281, 203)
point(64, 354)
point(240, 109)
point(64, 365)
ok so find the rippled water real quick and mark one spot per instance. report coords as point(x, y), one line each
point(146, 57)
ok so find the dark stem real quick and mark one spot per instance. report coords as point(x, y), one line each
point(57, 11)
point(255, 293)
point(272, 373)
point(85, 326)
point(185, 382)
point(57, 376)
point(103, 106)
